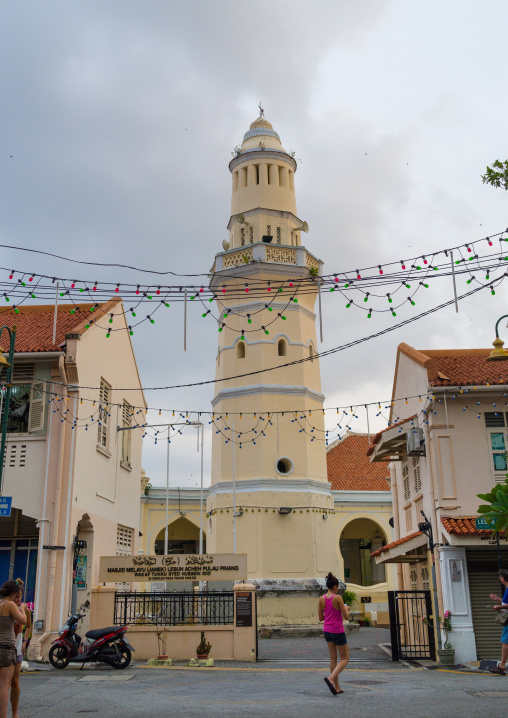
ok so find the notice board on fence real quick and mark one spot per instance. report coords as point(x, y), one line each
point(175, 567)
point(243, 609)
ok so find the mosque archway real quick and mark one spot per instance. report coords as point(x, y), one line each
point(183, 537)
point(358, 539)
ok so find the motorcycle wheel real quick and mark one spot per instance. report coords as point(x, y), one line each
point(59, 657)
point(125, 657)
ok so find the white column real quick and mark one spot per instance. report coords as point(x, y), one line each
point(456, 599)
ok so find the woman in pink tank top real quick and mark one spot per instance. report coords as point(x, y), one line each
point(332, 610)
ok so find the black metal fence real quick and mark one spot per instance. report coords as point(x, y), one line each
point(411, 627)
point(174, 609)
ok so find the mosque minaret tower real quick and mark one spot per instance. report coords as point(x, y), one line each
point(262, 327)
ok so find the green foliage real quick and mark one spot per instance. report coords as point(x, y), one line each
point(204, 648)
point(495, 508)
point(366, 621)
point(313, 271)
point(497, 178)
point(147, 489)
point(349, 597)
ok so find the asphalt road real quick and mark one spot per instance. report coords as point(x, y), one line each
point(296, 692)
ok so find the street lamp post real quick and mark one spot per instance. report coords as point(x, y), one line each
point(8, 364)
point(498, 353)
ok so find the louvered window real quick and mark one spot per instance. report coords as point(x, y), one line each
point(126, 435)
point(278, 235)
point(405, 482)
point(417, 475)
point(27, 405)
point(251, 234)
point(494, 418)
point(425, 578)
point(103, 415)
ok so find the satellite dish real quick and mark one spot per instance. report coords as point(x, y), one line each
point(305, 227)
point(240, 219)
point(225, 245)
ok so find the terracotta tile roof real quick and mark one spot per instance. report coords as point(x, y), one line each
point(35, 324)
point(400, 541)
point(458, 367)
point(376, 438)
point(463, 526)
point(349, 468)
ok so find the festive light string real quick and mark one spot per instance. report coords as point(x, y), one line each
point(341, 281)
point(301, 288)
point(325, 353)
point(330, 435)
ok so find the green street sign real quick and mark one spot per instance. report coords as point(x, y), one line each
point(484, 524)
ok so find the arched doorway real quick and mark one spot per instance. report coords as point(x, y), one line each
point(183, 537)
point(359, 538)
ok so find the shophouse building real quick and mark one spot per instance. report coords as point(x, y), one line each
point(446, 443)
point(69, 471)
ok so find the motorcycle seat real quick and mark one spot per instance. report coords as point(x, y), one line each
point(100, 632)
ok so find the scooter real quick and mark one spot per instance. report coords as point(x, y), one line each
point(108, 645)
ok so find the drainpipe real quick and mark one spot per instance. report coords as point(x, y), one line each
point(396, 523)
point(56, 521)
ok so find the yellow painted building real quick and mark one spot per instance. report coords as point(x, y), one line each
point(270, 495)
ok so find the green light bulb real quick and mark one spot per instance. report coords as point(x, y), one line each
point(131, 333)
point(348, 305)
point(295, 300)
point(418, 267)
point(133, 314)
point(369, 315)
point(283, 317)
point(365, 299)
point(81, 290)
point(249, 321)
point(204, 315)
point(393, 314)
point(346, 285)
point(266, 331)
point(270, 309)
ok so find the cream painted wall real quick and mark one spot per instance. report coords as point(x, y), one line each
point(96, 490)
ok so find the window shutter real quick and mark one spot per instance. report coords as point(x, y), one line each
point(36, 418)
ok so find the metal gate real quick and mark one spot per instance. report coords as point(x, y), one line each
point(411, 628)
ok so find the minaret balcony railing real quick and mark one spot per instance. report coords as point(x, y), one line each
point(263, 252)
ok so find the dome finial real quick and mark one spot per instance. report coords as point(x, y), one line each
point(261, 111)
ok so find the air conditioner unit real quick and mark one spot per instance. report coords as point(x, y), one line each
point(415, 442)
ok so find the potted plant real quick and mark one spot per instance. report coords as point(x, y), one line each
point(203, 648)
point(162, 639)
point(366, 621)
point(447, 652)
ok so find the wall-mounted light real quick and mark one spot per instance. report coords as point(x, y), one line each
point(284, 510)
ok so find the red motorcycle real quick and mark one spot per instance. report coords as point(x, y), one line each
point(108, 645)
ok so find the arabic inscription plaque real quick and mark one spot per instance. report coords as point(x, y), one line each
point(175, 567)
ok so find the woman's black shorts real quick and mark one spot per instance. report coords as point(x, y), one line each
point(338, 638)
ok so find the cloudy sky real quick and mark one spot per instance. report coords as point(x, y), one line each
point(117, 123)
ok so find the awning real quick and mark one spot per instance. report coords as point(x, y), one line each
point(402, 550)
point(390, 444)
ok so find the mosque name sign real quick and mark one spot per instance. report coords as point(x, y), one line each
point(176, 567)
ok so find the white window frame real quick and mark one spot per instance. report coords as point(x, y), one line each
point(126, 435)
point(103, 418)
point(498, 476)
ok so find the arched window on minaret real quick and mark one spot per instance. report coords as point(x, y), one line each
point(282, 348)
point(311, 352)
point(240, 350)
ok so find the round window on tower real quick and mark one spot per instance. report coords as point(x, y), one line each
point(284, 466)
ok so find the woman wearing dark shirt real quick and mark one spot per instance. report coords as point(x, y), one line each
point(503, 605)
